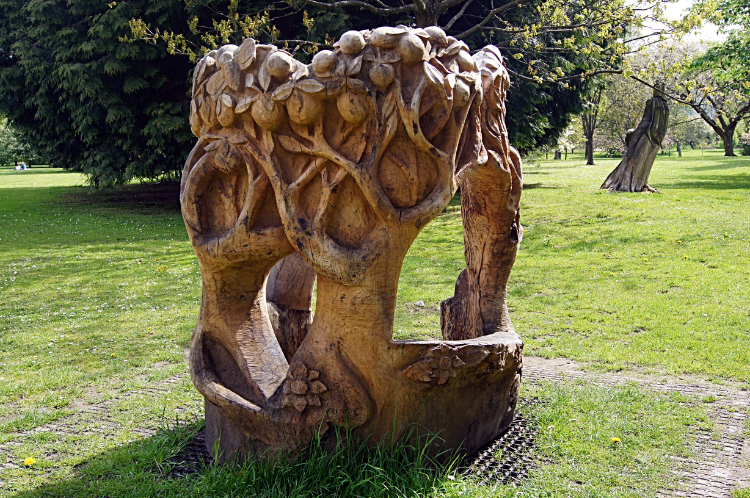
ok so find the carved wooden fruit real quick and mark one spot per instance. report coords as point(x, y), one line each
point(352, 42)
point(352, 106)
point(303, 108)
point(382, 75)
point(324, 184)
point(268, 114)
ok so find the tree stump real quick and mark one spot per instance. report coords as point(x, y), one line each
point(326, 173)
point(643, 143)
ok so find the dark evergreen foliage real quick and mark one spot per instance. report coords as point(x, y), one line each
point(89, 101)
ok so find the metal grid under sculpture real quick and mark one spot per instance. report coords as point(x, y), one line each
point(327, 172)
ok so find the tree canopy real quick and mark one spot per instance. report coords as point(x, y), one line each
point(80, 79)
point(552, 47)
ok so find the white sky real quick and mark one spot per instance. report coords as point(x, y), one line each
point(708, 32)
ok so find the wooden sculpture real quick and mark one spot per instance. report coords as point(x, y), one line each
point(326, 173)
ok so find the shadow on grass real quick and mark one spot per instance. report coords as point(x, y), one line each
point(163, 197)
point(347, 469)
point(727, 163)
point(739, 181)
point(527, 186)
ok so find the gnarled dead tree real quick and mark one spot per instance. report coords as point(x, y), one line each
point(344, 161)
point(643, 143)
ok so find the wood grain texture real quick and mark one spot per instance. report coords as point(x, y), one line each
point(325, 174)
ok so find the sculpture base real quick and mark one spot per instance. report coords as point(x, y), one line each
point(466, 404)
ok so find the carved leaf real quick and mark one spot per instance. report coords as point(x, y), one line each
point(227, 159)
point(389, 105)
point(354, 67)
point(317, 387)
point(453, 48)
point(313, 374)
point(264, 77)
point(420, 372)
point(472, 356)
point(267, 102)
point(199, 74)
point(390, 57)
point(340, 69)
point(216, 83)
point(232, 75)
point(266, 140)
point(369, 55)
point(292, 144)
point(250, 82)
point(239, 138)
point(312, 400)
point(245, 103)
point(299, 387)
point(283, 92)
point(311, 86)
point(398, 30)
point(334, 86)
point(212, 146)
point(225, 110)
point(299, 371)
point(300, 73)
point(357, 85)
point(299, 403)
point(245, 56)
point(206, 111)
point(443, 376)
point(427, 51)
point(494, 50)
point(433, 75)
point(420, 32)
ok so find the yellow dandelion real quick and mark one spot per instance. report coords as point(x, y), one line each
point(615, 440)
point(29, 462)
point(113, 355)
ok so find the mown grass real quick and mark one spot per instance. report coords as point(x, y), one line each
point(99, 293)
point(577, 427)
point(657, 283)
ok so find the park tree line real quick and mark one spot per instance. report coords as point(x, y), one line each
point(104, 88)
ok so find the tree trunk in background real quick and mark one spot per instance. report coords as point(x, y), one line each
point(558, 155)
point(728, 138)
point(631, 175)
point(588, 133)
point(589, 122)
point(679, 149)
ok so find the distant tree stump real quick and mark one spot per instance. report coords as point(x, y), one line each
point(643, 143)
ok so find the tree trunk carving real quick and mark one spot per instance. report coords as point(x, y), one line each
point(643, 143)
point(326, 173)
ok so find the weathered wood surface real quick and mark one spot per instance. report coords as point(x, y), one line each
point(643, 143)
point(325, 173)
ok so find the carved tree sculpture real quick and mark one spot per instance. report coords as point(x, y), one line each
point(643, 143)
point(328, 172)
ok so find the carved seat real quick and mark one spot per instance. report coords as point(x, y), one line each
point(325, 173)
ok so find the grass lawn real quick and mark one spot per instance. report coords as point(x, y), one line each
point(99, 293)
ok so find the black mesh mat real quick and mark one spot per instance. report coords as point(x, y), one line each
point(507, 459)
point(510, 457)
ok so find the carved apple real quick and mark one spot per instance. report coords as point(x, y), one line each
point(352, 106)
point(382, 75)
point(267, 113)
point(352, 42)
point(303, 108)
